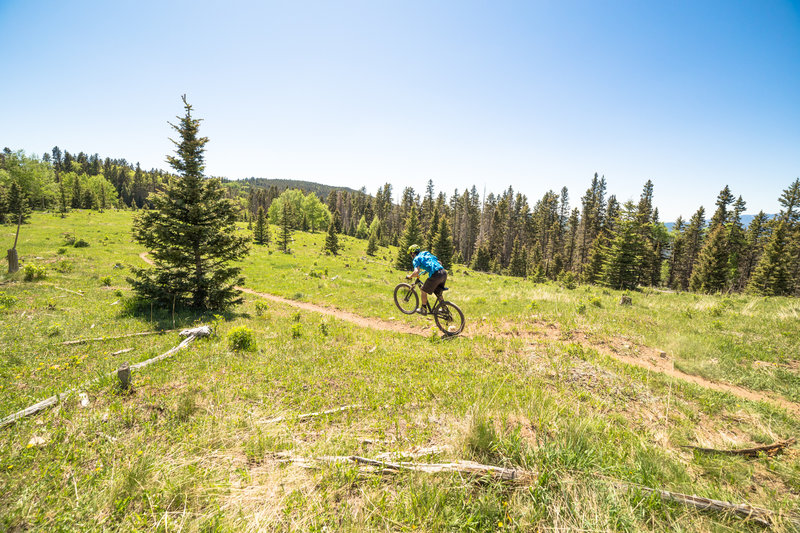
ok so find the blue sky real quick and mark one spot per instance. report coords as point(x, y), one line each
point(536, 95)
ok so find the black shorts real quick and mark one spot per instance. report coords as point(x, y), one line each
point(435, 282)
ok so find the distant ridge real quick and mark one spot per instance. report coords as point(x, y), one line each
point(321, 190)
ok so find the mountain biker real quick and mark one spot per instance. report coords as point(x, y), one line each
point(437, 275)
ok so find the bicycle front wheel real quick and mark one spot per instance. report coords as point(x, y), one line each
point(406, 298)
point(449, 318)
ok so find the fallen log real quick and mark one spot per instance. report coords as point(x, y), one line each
point(190, 335)
point(769, 449)
point(310, 415)
point(525, 478)
point(97, 339)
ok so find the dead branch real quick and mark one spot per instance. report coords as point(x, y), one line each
point(67, 290)
point(759, 515)
point(126, 350)
point(769, 449)
point(311, 415)
point(44, 404)
point(97, 339)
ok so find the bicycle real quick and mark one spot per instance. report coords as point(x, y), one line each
point(447, 315)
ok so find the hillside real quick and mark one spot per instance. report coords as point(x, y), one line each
point(319, 189)
point(332, 420)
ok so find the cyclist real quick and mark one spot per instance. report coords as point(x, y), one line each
point(437, 275)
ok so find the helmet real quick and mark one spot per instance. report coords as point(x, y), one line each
point(413, 249)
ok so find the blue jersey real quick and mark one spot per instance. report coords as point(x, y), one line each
point(428, 262)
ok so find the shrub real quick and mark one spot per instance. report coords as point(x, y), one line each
point(69, 238)
point(581, 308)
point(80, 243)
point(64, 266)
point(296, 316)
point(568, 280)
point(61, 251)
point(595, 301)
point(34, 272)
point(106, 281)
point(297, 331)
point(53, 330)
point(261, 307)
point(6, 301)
point(241, 339)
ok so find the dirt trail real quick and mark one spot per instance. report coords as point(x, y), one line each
point(646, 357)
point(365, 322)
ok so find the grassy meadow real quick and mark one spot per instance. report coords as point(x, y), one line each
point(195, 445)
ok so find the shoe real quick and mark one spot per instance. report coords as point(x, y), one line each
point(424, 310)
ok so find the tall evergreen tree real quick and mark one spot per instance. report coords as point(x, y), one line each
point(261, 231)
point(17, 204)
point(191, 232)
point(481, 259)
point(331, 239)
point(710, 273)
point(517, 265)
point(443, 245)
point(285, 227)
point(372, 244)
point(412, 234)
point(772, 276)
point(624, 256)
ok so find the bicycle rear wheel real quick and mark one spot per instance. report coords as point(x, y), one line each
point(449, 318)
point(406, 298)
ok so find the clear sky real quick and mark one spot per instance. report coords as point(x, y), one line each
point(533, 94)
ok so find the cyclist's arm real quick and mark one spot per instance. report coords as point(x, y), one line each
point(415, 274)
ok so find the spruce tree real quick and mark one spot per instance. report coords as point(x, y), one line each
point(331, 239)
point(443, 245)
point(411, 235)
point(285, 225)
point(481, 259)
point(772, 275)
point(17, 204)
point(261, 230)
point(518, 263)
point(372, 245)
point(710, 273)
point(191, 232)
point(625, 254)
point(433, 230)
point(362, 230)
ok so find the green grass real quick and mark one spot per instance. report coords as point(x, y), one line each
point(190, 446)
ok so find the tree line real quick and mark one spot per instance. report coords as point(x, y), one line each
point(597, 241)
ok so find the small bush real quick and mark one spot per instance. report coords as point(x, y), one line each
point(261, 307)
point(80, 243)
point(53, 330)
point(241, 339)
point(581, 308)
point(64, 266)
point(567, 280)
point(118, 292)
point(69, 239)
point(595, 301)
point(61, 251)
point(106, 281)
point(297, 331)
point(6, 301)
point(323, 328)
point(34, 272)
point(296, 316)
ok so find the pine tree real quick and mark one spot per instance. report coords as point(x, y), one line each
point(481, 259)
point(17, 204)
point(332, 240)
point(261, 231)
point(362, 230)
point(517, 265)
point(625, 254)
point(285, 225)
point(443, 245)
point(433, 230)
point(710, 273)
point(772, 275)
point(372, 245)
point(191, 232)
point(411, 235)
